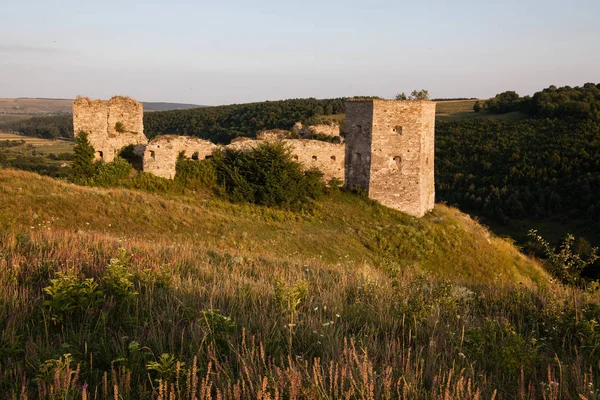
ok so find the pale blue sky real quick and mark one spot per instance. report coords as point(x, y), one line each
point(222, 52)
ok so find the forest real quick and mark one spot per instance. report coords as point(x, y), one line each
point(52, 127)
point(512, 170)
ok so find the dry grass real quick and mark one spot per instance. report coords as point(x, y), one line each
point(359, 332)
point(342, 227)
point(350, 301)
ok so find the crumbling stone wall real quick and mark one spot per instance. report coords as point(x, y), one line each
point(325, 129)
point(273, 134)
point(111, 125)
point(160, 156)
point(307, 132)
point(390, 152)
point(327, 157)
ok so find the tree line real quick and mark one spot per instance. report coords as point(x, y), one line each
point(580, 102)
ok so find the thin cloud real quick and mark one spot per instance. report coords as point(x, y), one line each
point(27, 49)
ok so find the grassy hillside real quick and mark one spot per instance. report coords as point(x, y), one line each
point(341, 227)
point(111, 293)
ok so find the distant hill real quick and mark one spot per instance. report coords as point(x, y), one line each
point(160, 106)
point(42, 106)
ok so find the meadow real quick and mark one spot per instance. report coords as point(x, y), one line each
point(114, 293)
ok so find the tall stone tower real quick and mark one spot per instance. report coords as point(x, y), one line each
point(390, 151)
point(111, 125)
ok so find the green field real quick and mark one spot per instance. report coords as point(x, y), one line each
point(458, 110)
point(40, 145)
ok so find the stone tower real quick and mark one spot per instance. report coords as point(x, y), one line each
point(390, 151)
point(111, 125)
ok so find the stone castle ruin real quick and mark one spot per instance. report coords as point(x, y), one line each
point(160, 155)
point(307, 132)
point(327, 157)
point(111, 124)
point(388, 150)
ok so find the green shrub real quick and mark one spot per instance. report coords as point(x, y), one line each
point(166, 367)
point(117, 282)
point(112, 173)
point(498, 345)
point(266, 175)
point(219, 327)
point(82, 169)
point(564, 263)
point(195, 175)
point(70, 297)
point(149, 183)
point(119, 127)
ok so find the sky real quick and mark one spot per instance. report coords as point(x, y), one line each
point(223, 52)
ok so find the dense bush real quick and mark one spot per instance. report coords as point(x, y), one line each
point(506, 102)
point(195, 174)
point(267, 176)
point(112, 173)
point(567, 102)
point(38, 164)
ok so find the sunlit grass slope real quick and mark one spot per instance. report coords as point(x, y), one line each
point(110, 293)
point(341, 228)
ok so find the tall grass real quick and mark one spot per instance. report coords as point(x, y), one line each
point(194, 323)
point(113, 293)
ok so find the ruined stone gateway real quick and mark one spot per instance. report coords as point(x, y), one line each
point(111, 125)
point(390, 152)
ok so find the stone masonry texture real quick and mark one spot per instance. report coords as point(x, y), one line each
point(160, 157)
point(390, 152)
point(111, 125)
point(327, 157)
